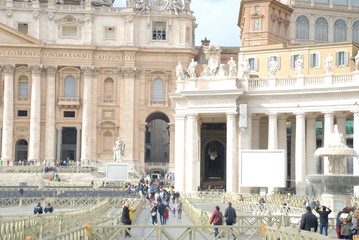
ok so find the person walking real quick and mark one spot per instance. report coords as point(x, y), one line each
point(153, 211)
point(179, 210)
point(216, 219)
point(125, 218)
point(323, 218)
point(345, 219)
point(161, 211)
point(48, 208)
point(38, 209)
point(309, 221)
point(230, 215)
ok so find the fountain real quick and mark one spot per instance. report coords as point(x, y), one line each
point(337, 185)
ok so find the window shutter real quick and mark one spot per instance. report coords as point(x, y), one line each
point(278, 61)
point(268, 61)
point(346, 58)
point(319, 58)
point(312, 59)
point(337, 59)
point(292, 61)
point(256, 64)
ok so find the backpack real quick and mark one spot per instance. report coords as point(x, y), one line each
point(344, 230)
point(219, 218)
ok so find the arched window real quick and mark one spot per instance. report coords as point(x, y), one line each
point(107, 141)
point(321, 29)
point(108, 88)
point(302, 27)
point(23, 86)
point(158, 90)
point(340, 31)
point(355, 37)
point(70, 87)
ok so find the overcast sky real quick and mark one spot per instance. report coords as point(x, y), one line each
point(216, 19)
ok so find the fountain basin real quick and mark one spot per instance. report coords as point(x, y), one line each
point(338, 184)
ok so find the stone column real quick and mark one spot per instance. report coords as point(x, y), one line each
point(179, 153)
point(292, 155)
point(35, 113)
point(59, 143)
point(231, 163)
point(311, 144)
point(191, 153)
point(356, 147)
point(128, 110)
point(50, 130)
point(78, 143)
point(8, 114)
point(86, 146)
point(272, 131)
point(300, 167)
point(142, 146)
point(246, 134)
point(171, 166)
point(255, 131)
point(328, 130)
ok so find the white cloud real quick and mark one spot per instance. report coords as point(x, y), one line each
point(216, 19)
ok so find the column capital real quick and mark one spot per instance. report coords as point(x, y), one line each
point(299, 114)
point(129, 72)
point(231, 114)
point(35, 69)
point(192, 115)
point(272, 114)
point(8, 68)
point(328, 113)
point(50, 69)
point(179, 116)
point(142, 126)
point(88, 71)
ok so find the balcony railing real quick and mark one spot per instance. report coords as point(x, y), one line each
point(72, 102)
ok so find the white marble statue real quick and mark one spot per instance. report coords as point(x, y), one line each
point(213, 56)
point(328, 63)
point(246, 68)
point(232, 69)
point(221, 71)
point(205, 71)
point(176, 6)
point(179, 72)
point(299, 65)
point(357, 61)
point(143, 5)
point(273, 67)
point(187, 4)
point(118, 150)
point(192, 69)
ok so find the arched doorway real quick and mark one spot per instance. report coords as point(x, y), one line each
point(21, 147)
point(214, 161)
point(157, 140)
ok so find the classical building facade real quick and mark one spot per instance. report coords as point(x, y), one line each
point(78, 74)
point(293, 83)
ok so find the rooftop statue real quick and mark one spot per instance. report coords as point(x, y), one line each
point(213, 55)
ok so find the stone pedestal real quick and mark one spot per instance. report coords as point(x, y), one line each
point(336, 202)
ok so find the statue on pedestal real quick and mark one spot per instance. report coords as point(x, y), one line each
point(299, 65)
point(118, 150)
point(213, 55)
point(179, 72)
point(232, 69)
point(192, 69)
point(273, 67)
point(328, 63)
point(357, 61)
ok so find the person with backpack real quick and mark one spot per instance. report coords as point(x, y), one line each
point(216, 219)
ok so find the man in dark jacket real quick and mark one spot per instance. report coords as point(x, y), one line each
point(126, 220)
point(38, 209)
point(161, 210)
point(230, 214)
point(309, 220)
point(323, 218)
point(48, 208)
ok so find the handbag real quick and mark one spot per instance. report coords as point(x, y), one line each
point(153, 213)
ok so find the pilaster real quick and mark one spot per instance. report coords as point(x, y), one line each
point(179, 152)
point(50, 130)
point(311, 144)
point(231, 163)
point(272, 131)
point(8, 113)
point(300, 167)
point(35, 113)
point(86, 146)
point(171, 166)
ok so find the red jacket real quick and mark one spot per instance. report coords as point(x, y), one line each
point(214, 217)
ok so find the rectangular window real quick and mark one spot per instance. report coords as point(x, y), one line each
point(69, 114)
point(253, 64)
point(22, 113)
point(159, 31)
point(293, 59)
point(69, 31)
point(315, 60)
point(342, 58)
point(23, 27)
point(109, 33)
point(23, 89)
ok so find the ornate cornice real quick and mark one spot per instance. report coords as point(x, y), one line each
point(88, 71)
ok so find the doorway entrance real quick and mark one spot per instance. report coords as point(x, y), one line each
point(68, 144)
point(21, 151)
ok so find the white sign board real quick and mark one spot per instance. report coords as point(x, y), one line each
point(263, 168)
point(117, 172)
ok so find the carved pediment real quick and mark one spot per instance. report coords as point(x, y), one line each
point(10, 36)
point(257, 15)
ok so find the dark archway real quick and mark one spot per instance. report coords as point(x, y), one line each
point(21, 148)
point(68, 146)
point(214, 165)
point(157, 138)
